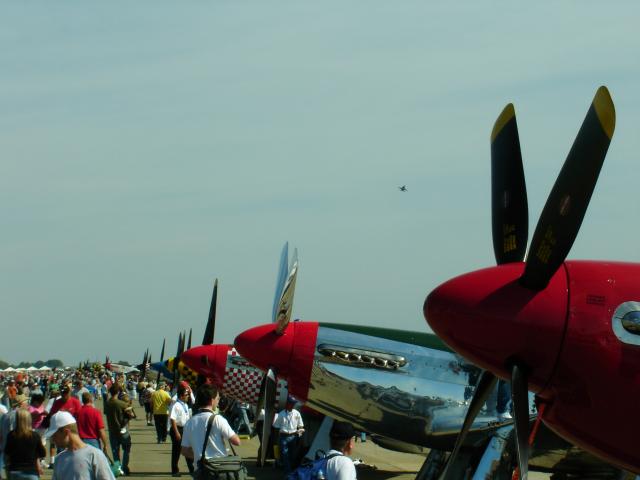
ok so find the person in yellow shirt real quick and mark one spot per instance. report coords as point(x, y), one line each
point(160, 401)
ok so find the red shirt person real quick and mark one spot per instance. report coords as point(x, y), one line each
point(91, 425)
point(12, 390)
point(66, 402)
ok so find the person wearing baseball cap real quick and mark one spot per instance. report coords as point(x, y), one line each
point(78, 461)
point(290, 427)
point(160, 402)
point(339, 465)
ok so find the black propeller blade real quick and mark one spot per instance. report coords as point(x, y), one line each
point(179, 347)
point(554, 235)
point(509, 209)
point(485, 385)
point(176, 359)
point(164, 341)
point(268, 401)
point(259, 409)
point(211, 323)
point(189, 342)
point(559, 222)
point(510, 229)
point(520, 399)
point(568, 201)
point(143, 365)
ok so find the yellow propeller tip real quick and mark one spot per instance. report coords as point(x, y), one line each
point(507, 114)
point(603, 105)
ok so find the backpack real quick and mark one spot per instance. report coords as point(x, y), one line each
point(310, 470)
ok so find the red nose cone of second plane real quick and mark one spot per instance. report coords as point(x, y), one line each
point(208, 360)
point(489, 318)
point(290, 354)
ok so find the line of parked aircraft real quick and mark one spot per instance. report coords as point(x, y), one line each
point(564, 333)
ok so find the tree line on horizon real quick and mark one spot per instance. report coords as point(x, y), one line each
point(53, 363)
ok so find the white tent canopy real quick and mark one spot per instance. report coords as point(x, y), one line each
point(43, 368)
point(32, 369)
point(10, 369)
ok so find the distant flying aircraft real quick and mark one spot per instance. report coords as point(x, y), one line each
point(403, 188)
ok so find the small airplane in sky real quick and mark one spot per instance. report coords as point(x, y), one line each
point(403, 188)
point(566, 330)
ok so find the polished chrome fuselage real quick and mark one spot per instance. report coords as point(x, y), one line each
point(394, 389)
point(413, 397)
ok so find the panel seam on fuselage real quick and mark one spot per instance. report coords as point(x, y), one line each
point(564, 331)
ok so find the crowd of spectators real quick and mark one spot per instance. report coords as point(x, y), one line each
point(56, 410)
point(41, 396)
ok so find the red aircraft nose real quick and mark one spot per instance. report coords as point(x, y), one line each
point(208, 360)
point(289, 354)
point(486, 316)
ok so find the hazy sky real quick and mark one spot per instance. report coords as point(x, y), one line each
point(149, 147)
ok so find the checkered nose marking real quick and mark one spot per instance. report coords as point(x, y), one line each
point(242, 380)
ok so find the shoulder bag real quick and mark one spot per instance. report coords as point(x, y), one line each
point(219, 468)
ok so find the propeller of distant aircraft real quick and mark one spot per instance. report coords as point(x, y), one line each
point(211, 322)
point(164, 341)
point(282, 309)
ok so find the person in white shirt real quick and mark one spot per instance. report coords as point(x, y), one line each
point(179, 415)
point(191, 399)
point(207, 399)
point(339, 465)
point(290, 425)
